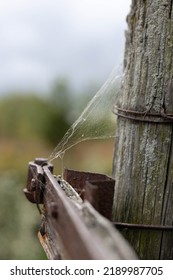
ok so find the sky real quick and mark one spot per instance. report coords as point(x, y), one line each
point(46, 40)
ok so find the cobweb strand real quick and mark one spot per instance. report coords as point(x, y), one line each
point(96, 121)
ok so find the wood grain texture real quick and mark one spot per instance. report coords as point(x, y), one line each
point(143, 158)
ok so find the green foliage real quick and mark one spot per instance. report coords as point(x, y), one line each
point(61, 95)
point(30, 116)
point(54, 125)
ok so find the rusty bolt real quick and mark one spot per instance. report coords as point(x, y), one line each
point(54, 210)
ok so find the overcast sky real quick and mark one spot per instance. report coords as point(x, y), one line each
point(42, 40)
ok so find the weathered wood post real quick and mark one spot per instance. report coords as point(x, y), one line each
point(143, 159)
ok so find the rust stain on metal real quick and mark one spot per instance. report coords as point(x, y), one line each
point(100, 195)
point(77, 179)
point(97, 188)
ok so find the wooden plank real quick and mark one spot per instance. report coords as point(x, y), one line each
point(75, 228)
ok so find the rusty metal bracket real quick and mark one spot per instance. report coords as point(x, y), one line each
point(35, 181)
point(97, 188)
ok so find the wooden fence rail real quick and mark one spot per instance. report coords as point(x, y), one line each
point(71, 226)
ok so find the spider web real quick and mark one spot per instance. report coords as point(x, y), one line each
point(96, 121)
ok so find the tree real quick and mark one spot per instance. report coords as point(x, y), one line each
point(143, 159)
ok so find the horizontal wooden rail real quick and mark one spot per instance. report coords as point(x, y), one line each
point(72, 229)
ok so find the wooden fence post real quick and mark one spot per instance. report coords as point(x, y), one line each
point(143, 159)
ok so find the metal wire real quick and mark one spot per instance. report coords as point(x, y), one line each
point(142, 226)
point(144, 116)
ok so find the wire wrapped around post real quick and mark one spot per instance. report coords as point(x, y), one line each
point(145, 116)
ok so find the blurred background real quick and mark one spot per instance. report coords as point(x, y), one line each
point(55, 55)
